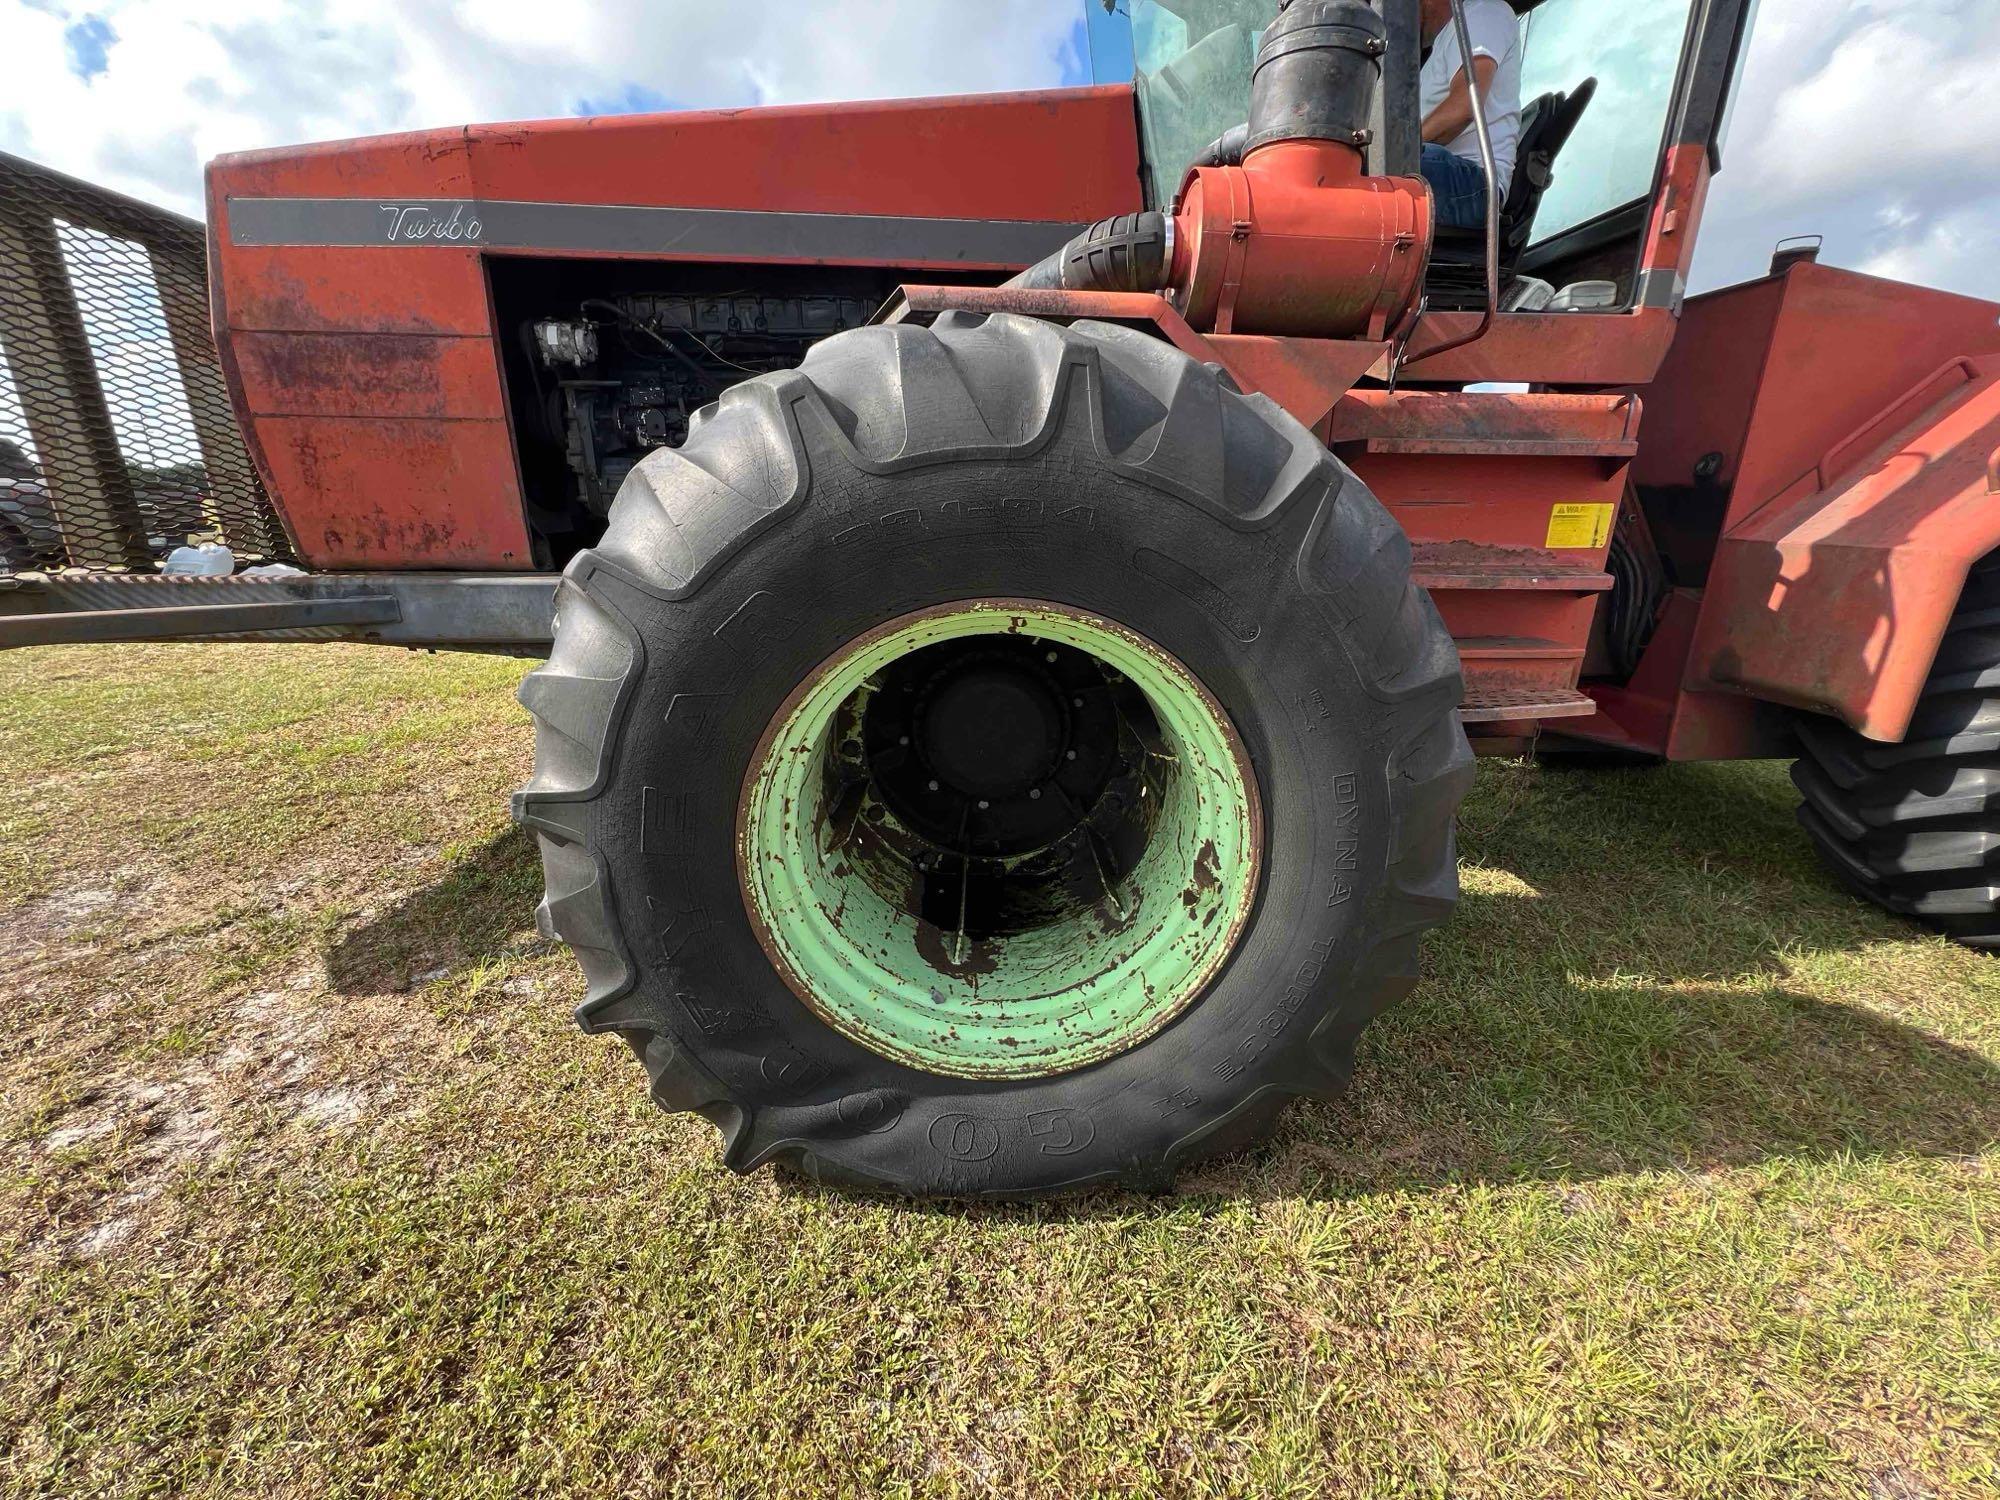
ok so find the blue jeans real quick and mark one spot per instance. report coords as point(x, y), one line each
point(1459, 187)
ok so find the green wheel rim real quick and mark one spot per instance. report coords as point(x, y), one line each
point(1075, 949)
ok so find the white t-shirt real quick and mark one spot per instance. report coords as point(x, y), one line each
point(1496, 33)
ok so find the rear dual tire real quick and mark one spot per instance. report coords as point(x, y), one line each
point(904, 472)
point(1915, 827)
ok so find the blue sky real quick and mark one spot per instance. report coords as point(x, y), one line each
point(1870, 121)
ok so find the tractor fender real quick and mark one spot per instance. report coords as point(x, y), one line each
point(1835, 596)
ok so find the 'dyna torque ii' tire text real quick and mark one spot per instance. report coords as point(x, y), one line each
point(1915, 827)
point(994, 759)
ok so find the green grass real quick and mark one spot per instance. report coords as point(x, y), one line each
point(1678, 1176)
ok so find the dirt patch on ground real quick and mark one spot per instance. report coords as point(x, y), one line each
point(169, 1025)
point(34, 930)
point(182, 887)
point(167, 1028)
point(281, 1067)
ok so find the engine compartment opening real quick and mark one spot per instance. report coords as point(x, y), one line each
point(606, 361)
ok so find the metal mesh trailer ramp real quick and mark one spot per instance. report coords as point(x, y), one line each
point(118, 444)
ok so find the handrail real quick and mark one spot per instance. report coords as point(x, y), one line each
point(1487, 162)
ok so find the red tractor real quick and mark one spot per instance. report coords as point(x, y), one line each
point(1023, 579)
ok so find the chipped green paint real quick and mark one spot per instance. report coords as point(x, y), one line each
point(1091, 983)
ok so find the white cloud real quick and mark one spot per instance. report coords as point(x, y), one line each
point(184, 80)
point(1954, 249)
point(1872, 122)
point(1895, 218)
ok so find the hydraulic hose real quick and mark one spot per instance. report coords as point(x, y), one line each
point(1226, 150)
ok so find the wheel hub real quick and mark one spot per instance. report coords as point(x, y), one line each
point(991, 732)
point(994, 743)
point(999, 839)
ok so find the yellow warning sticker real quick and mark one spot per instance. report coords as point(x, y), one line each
point(1575, 526)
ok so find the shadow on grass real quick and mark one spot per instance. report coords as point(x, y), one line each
point(485, 900)
point(1646, 973)
point(1627, 987)
point(1580, 1079)
point(1565, 1083)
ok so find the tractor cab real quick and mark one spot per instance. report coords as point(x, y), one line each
point(1599, 91)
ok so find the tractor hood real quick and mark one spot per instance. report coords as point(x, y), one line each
point(396, 451)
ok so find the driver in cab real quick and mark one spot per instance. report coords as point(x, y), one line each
point(1451, 144)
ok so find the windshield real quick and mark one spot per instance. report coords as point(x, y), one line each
point(1190, 62)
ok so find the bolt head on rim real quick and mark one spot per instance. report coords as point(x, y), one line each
point(999, 839)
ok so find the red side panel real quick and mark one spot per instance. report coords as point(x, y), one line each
point(385, 493)
point(389, 375)
point(1836, 594)
point(1853, 420)
point(366, 371)
point(331, 290)
point(1842, 347)
point(1062, 155)
point(1707, 390)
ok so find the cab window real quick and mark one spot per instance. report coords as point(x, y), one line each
point(1633, 50)
point(1190, 62)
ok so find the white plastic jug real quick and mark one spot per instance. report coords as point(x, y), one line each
point(209, 560)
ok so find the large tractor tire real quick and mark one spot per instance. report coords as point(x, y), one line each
point(1915, 827)
point(994, 759)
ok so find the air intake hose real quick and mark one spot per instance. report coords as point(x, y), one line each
point(1316, 75)
point(1226, 150)
point(1130, 253)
